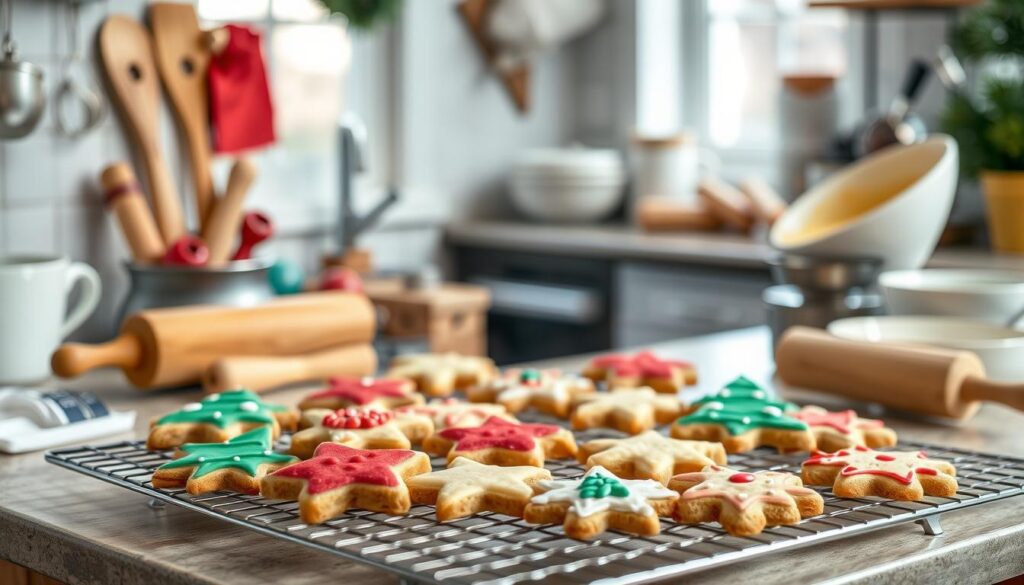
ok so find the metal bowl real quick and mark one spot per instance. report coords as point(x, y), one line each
point(812, 273)
point(22, 98)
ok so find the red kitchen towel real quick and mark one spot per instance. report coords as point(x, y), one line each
point(241, 112)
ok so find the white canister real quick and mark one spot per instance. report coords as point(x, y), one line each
point(33, 312)
point(670, 167)
point(808, 122)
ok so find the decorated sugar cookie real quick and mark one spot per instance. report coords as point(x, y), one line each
point(384, 393)
point(743, 503)
point(631, 411)
point(897, 475)
point(236, 465)
point(600, 501)
point(440, 374)
point(839, 430)
point(362, 428)
point(742, 417)
point(548, 391)
point(340, 477)
point(451, 412)
point(650, 455)
point(641, 369)
point(500, 442)
point(468, 487)
point(217, 418)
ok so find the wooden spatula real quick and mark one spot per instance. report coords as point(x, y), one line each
point(183, 59)
point(127, 56)
point(924, 379)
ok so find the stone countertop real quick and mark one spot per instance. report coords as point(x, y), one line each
point(83, 531)
point(621, 242)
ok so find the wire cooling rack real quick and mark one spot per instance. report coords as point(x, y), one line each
point(496, 549)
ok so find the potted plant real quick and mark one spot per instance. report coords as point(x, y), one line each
point(989, 124)
point(364, 14)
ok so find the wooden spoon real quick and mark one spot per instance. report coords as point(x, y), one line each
point(127, 56)
point(183, 60)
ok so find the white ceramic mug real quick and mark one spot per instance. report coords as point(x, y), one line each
point(670, 167)
point(33, 303)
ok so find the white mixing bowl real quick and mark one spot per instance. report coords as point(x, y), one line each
point(994, 296)
point(891, 205)
point(567, 184)
point(1000, 348)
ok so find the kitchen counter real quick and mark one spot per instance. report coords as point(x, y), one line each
point(83, 531)
point(620, 242)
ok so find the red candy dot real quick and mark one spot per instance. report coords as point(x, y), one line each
point(741, 478)
point(330, 461)
point(884, 457)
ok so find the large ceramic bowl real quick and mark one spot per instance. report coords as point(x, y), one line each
point(994, 296)
point(891, 205)
point(1000, 348)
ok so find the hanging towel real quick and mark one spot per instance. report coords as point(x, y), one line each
point(241, 111)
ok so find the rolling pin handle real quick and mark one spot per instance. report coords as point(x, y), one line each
point(74, 359)
point(976, 389)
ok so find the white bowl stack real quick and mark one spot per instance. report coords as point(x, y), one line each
point(567, 184)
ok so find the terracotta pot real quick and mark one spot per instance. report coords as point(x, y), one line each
point(1004, 207)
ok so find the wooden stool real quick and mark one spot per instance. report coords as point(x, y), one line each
point(451, 316)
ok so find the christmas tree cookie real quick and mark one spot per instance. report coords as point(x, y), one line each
point(548, 391)
point(217, 418)
point(500, 442)
point(451, 412)
point(468, 487)
point(641, 369)
point(742, 417)
point(650, 455)
point(743, 503)
point(362, 428)
point(897, 475)
point(338, 478)
point(236, 465)
point(631, 411)
point(843, 429)
point(440, 374)
point(385, 393)
point(600, 501)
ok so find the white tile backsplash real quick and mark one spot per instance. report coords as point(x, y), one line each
point(30, 170)
point(30, 230)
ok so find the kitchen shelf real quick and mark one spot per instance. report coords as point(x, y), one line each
point(496, 549)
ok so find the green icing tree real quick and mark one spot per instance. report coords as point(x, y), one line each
point(741, 406)
point(597, 486)
point(246, 452)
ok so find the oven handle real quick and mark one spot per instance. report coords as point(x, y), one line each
point(565, 304)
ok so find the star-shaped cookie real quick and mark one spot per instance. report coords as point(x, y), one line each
point(743, 503)
point(468, 487)
point(235, 465)
point(500, 442)
point(548, 391)
point(650, 455)
point(843, 429)
point(631, 411)
point(384, 393)
point(338, 478)
point(897, 475)
point(600, 501)
point(641, 369)
point(217, 418)
point(439, 374)
point(451, 412)
point(362, 428)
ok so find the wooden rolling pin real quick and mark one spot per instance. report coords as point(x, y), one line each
point(727, 203)
point(121, 194)
point(163, 348)
point(226, 215)
point(659, 214)
point(767, 205)
point(916, 378)
point(259, 373)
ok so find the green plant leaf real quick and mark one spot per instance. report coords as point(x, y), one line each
point(365, 14)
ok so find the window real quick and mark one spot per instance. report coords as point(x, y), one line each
point(732, 54)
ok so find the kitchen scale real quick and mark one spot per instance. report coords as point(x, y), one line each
point(31, 419)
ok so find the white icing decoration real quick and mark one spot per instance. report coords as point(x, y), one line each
point(217, 414)
point(192, 407)
point(249, 406)
point(236, 458)
point(366, 381)
point(713, 405)
point(213, 398)
point(772, 410)
point(268, 452)
point(636, 502)
point(201, 459)
point(713, 414)
point(745, 420)
point(725, 393)
point(758, 394)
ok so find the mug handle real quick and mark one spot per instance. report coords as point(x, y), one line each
point(91, 290)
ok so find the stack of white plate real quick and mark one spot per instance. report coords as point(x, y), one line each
point(567, 184)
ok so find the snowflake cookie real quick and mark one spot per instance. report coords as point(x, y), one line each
point(600, 501)
point(743, 503)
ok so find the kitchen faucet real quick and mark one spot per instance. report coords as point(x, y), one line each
point(352, 147)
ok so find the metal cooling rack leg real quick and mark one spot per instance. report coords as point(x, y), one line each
point(931, 525)
point(156, 504)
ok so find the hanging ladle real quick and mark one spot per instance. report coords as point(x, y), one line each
point(78, 108)
point(22, 99)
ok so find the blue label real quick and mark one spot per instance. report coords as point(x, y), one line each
point(76, 406)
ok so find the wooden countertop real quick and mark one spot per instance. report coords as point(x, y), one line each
point(83, 531)
point(621, 242)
